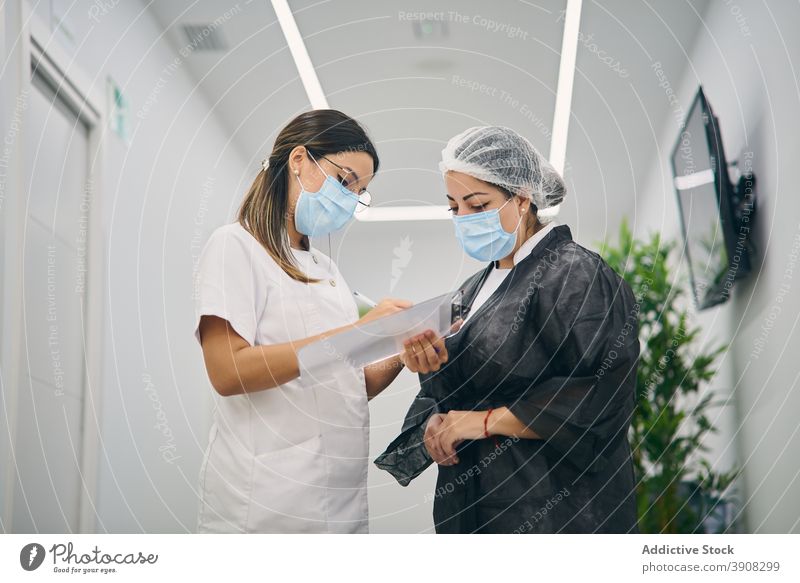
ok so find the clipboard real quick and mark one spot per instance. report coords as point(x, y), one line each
point(378, 339)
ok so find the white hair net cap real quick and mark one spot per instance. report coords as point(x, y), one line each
point(502, 157)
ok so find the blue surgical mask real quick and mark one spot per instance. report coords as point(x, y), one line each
point(482, 234)
point(327, 210)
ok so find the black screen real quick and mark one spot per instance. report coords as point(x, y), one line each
point(696, 182)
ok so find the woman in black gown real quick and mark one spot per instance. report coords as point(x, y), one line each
point(528, 417)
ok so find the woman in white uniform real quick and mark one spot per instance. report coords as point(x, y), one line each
point(288, 453)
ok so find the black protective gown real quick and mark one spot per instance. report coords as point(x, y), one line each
point(557, 343)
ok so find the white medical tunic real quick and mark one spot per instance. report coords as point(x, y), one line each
point(291, 458)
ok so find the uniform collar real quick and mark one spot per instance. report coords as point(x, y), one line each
point(529, 245)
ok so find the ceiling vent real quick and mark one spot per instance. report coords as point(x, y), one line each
point(204, 37)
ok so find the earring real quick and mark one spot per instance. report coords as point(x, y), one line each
point(296, 172)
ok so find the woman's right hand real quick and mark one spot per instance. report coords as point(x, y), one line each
point(432, 442)
point(424, 353)
point(385, 307)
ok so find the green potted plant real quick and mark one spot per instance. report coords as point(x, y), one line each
point(678, 490)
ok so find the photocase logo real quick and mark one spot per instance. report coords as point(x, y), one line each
point(402, 257)
point(31, 556)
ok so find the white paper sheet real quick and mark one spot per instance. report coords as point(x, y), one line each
point(378, 339)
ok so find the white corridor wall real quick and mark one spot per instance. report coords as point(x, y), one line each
point(163, 192)
point(747, 58)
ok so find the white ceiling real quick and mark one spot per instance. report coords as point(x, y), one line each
point(372, 66)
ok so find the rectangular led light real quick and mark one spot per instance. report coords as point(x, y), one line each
point(558, 143)
point(566, 77)
point(300, 55)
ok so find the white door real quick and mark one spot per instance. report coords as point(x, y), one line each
point(51, 393)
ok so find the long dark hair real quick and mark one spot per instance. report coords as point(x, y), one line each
point(263, 213)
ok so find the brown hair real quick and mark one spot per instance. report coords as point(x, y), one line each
point(265, 207)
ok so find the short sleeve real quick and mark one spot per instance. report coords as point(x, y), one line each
point(228, 283)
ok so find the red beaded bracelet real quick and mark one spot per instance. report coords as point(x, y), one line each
point(486, 422)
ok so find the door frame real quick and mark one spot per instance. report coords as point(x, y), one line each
point(39, 50)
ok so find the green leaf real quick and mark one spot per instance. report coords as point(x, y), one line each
point(669, 421)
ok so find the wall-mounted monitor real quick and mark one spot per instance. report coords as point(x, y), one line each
point(716, 216)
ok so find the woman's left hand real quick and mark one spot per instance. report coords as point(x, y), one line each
point(456, 427)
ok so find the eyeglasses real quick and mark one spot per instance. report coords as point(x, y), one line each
point(364, 197)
